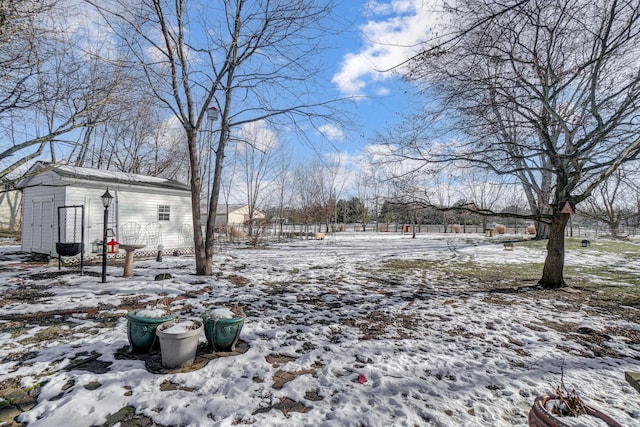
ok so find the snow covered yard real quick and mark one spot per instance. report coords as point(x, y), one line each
point(356, 330)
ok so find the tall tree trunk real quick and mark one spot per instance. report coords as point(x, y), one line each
point(553, 272)
point(215, 192)
point(225, 134)
point(196, 191)
point(613, 227)
point(543, 230)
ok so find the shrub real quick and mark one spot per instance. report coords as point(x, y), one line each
point(457, 228)
point(501, 229)
point(235, 233)
point(531, 229)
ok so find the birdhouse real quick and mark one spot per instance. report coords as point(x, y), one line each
point(212, 113)
point(113, 246)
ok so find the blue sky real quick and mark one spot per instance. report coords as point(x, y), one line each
point(376, 35)
point(380, 35)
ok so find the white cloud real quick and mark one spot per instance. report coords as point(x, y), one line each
point(258, 135)
point(332, 132)
point(393, 33)
point(382, 91)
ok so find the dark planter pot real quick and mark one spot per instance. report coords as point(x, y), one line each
point(223, 334)
point(67, 249)
point(540, 417)
point(141, 331)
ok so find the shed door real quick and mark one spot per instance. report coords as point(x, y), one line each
point(42, 227)
point(95, 219)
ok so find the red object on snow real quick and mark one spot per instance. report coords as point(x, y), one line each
point(362, 379)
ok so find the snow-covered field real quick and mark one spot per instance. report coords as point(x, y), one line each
point(334, 337)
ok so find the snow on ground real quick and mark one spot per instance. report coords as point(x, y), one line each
point(362, 344)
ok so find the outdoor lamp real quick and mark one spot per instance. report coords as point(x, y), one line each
point(106, 199)
point(106, 202)
point(212, 113)
point(212, 116)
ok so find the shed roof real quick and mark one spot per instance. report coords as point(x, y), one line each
point(106, 176)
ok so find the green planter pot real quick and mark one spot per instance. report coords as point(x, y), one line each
point(141, 331)
point(223, 334)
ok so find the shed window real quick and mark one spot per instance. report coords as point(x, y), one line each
point(164, 212)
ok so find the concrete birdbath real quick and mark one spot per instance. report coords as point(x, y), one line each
point(128, 259)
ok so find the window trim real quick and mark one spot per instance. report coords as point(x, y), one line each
point(164, 213)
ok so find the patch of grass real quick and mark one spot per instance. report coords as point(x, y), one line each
point(48, 334)
point(609, 246)
point(499, 272)
point(610, 287)
point(610, 295)
point(14, 328)
point(237, 280)
point(406, 264)
point(469, 269)
point(576, 275)
point(596, 275)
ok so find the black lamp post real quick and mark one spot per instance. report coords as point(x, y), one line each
point(106, 202)
point(212, 116)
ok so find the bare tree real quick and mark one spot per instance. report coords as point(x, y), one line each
point(484, 190)
point(612, 203)
point(307, 194)
point(255, 148)
point(369, 185)
point(357, 212)
point(326, 174)
point(434, 188)
point(20, 31)
point(46, 92)
point(243, 63)
point(362, 191)
point(137, 140)
point(283, 188)
point(544, 91)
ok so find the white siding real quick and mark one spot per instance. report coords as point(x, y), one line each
point(141, 207)
point(39, 213)
point(136, 204)
point(89, 197)
point(131, 204)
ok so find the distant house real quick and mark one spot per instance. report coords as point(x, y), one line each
point(10, 208)
point(234, 215)
point(145, 210)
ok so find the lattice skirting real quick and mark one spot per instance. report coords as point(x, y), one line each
point(140, 253)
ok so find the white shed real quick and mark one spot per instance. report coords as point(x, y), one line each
point(145, 210)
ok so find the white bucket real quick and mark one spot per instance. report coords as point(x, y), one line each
point(179, 342)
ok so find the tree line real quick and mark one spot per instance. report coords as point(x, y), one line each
point(531, 104)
